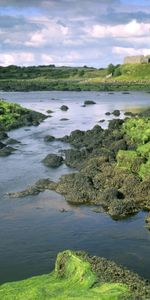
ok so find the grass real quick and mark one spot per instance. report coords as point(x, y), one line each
point(126, 77)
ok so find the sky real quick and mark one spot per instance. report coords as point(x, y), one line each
point(73, 32)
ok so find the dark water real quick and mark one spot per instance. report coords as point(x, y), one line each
point(32, 229)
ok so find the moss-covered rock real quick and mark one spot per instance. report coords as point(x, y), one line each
point(14, 116)
point(52, 160)
point(79, 276)
point(129, 160)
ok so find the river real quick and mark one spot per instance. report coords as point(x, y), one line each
point(33, 229)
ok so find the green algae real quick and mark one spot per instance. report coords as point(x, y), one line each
point(73, 278)
point(144, 171)
point(137, 130)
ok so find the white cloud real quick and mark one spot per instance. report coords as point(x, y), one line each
point(23, 58)
point(131, 29)
point(130, 51)
point(51, 33)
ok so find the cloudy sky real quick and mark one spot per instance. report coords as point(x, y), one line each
point(73, 32)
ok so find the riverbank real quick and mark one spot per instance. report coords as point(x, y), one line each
point(80, 276)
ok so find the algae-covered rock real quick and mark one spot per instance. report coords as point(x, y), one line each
point(79, 276)
point(137, 129)
point(75, 157)
point(144, 171)
point(40, 186)
point(49, 138)
point(129, 160)
point(52, 160)
point(14, 116)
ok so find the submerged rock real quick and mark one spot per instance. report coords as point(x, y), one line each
point(52, 160)
point(64, 119)
point(12, 141)
point(6, 151)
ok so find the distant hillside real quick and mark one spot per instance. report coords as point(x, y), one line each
point(120, 77)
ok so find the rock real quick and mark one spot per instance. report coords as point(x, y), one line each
point(12, 142)
point(107, 113)
point(89, 102)
point(125, 93)
point(116, 113)
point(62, 210)
point(122, 209)
point(15, 116)
point(49, 138)
point(147, 220)
point(49, 111)
point(128, 113)
point(52, 160)
point(64, 119)
point(3, 135)
point(101, 121)
point(40, 186)
point(6, 151)
point(115, 124)
point(64, 107)
point(74, 158)
point(2, 145)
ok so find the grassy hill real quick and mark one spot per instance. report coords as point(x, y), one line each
point(124, 77)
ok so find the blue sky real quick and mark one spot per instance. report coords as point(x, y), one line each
point(73, 32)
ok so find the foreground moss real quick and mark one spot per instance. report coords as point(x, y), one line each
point(78, 276)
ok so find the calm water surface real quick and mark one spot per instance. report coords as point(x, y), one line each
point(32, 229)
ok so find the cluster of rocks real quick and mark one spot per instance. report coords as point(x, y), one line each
point(99, 180)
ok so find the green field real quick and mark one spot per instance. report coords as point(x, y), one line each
point(124, 77)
